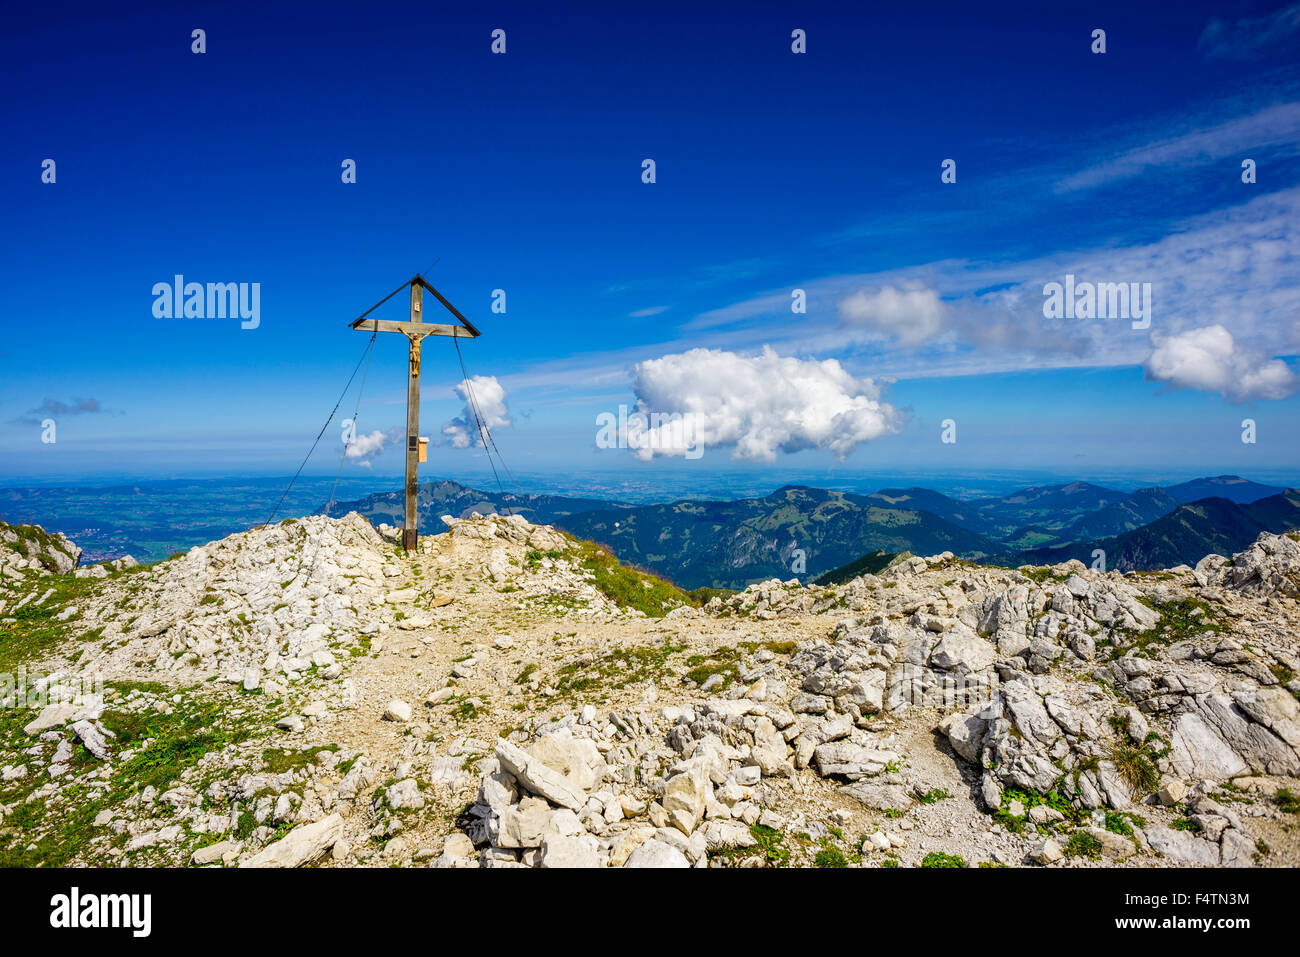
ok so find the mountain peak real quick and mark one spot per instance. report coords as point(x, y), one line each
point(330, 689)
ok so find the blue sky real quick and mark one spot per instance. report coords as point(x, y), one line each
point(774, 172)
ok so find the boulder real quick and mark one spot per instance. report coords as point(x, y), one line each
point(302, 845)
point(566, 852)
point(1181, 846)
point(655, 853)
point(524, 824)
point(397, 711)
point(535, 776)
point(1198, 752)
point(961, 650)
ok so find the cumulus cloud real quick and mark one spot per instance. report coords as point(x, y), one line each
point(1210, 360)
point(364, 446)
point(359, 448)
point(490, 397)
point(763, 405)
point(911, 312)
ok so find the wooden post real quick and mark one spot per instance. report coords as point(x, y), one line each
point(413, 423)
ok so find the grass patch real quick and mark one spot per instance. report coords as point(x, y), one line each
point(1137, 767)
point(36, 631)
point(1286, 801)
point(615, 669)
point(933, 796)
point(830, 856)
point(627, 586)
point(771, 843)
point(166, 745)
point(699, 597)
point(721, 661)
point(1083, 844)
point(939, 859)
point(279, 760)
point(1030, 799)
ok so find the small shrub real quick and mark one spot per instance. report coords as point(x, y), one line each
point(938, 859)
point(1083, 844)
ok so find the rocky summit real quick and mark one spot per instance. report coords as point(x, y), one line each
point(509, 696)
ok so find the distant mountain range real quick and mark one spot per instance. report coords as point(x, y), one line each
point(436, 499)
point(804, 532)
point(1183, 536)
point(731, 544)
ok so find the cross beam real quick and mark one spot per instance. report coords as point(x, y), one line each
point(415, 331)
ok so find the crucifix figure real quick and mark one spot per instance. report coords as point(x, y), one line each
point(415, 331)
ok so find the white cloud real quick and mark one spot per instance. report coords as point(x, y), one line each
point(650, 311)
point(1242, 261)
point(1247, 37)
point(490, 397)
point(764, 405)
point(364, 446)
point(911, 312)
point(1208, 359)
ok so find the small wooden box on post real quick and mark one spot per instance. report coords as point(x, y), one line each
point(415, 330)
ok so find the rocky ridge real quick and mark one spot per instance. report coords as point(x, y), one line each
point(308, 693)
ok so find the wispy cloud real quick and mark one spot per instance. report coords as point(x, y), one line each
point(1274, 126)
point(1238, 267)
point(1245, 38)
point(54, 407)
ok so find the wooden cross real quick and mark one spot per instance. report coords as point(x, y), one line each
point(415, 331)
